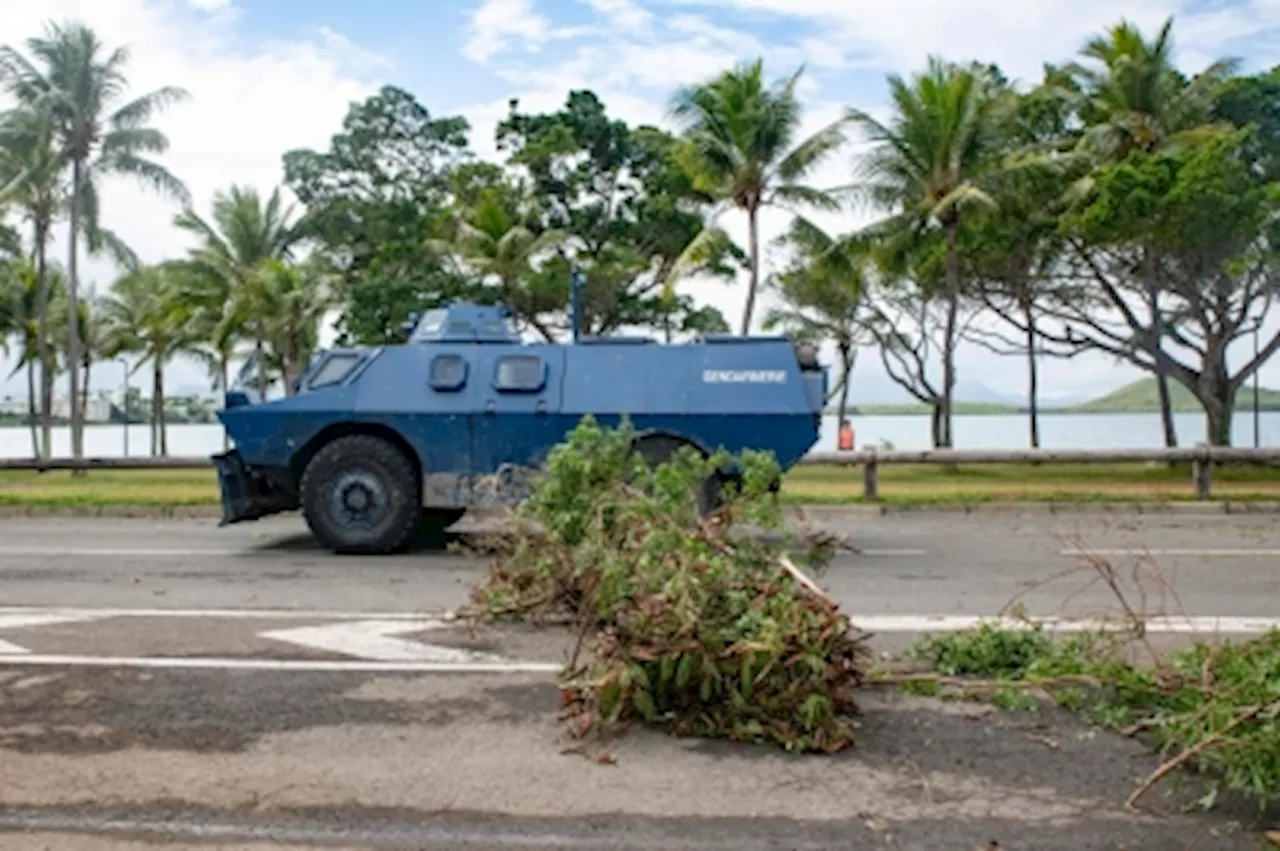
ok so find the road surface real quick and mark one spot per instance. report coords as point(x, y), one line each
point(169, 680)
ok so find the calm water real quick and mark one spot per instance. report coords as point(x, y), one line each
point(1101, 431)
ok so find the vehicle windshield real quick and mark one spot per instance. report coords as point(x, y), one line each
point(248, 375)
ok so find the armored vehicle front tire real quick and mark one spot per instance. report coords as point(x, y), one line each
point(359, 496)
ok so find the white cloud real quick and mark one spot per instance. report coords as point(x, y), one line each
point(248, 104)
point(497, 22)
point(625, 14)
point(1020, 37)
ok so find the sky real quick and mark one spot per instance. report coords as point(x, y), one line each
point(265, 76)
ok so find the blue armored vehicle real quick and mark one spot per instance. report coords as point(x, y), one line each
point(377, 441)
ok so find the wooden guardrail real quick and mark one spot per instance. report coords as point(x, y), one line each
point(1202, 457)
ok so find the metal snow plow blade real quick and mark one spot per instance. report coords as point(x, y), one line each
point(245, 495)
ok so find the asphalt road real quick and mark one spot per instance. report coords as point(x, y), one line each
point(169, 680)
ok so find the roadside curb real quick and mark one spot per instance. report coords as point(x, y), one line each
point(817, 511)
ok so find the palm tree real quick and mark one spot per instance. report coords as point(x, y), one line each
point(31, 179)
point(77, 87)
point(19, 318)
point(295, 300)
point(822, 295)
point(244, 233)
point(739, 146)
point(926, 163)
point(1133, 98)
point(494, 240)
point(145, 314)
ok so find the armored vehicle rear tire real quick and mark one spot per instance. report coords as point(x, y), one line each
point(660, 448)
point(359, 495)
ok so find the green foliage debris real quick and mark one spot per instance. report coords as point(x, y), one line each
point(685, 625)
point(1215, 709)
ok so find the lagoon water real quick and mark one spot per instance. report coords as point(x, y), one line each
point(1057, 431)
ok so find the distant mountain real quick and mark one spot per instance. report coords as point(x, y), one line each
point(1142, 396)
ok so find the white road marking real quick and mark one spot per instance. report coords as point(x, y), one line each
point(1171, 624)
point(19, 620)
point(1186, 552)
point(322, 665)
point(262, 614)
point(98, 552)
point(891, 552)
point(371, 639)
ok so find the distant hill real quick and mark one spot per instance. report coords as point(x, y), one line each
point(1142, 397)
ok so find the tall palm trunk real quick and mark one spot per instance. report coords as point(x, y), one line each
point(31, 408)
point(42, 340)
point(224, 367)
point(949, 332)
point(84, 391)
point(157, 408)
point(753, 247)
point(73, 311)
point(846, 365)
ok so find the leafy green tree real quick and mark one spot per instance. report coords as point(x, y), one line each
point(1213, 224)
point(77, 85)
point(822, 296)
point(31, 174)
point(740, 147)
point(926, 165)
point(19, 319)
point(1255, 102)
point(1010, 250)
point(614, 201)
point(374, 199)
point(1132, 98)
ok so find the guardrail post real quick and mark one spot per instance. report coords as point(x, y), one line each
point(1202, 472)
point(870, 477)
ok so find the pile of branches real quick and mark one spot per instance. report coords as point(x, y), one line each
point(682, 623)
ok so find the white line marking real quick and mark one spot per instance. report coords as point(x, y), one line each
point(371, 639)
point(17, 621)
point(215, 663)
point(273, 614)
point(891, 552)
point(97, 552)
point(1189, 552)
point(951, 623)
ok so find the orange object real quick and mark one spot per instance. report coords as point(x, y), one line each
point(846, 437)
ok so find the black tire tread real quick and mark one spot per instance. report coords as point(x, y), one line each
point(394, 463)
point(658, 448)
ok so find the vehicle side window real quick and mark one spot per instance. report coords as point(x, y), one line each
point(519, 373)
point(333, 370)
point(448, 372)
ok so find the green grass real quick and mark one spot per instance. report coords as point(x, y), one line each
point(927, 483)
point(901, 484)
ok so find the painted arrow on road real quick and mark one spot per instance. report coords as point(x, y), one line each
point(374, 640)
point(19, 620)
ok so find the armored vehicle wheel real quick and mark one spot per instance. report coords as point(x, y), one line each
point(656, 449)
point(359, 495)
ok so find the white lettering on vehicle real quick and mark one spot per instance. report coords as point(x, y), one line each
point(744, 376)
